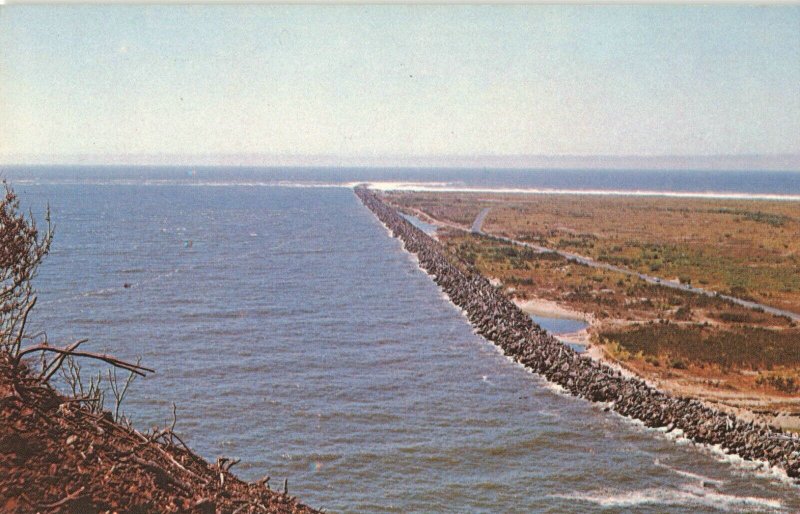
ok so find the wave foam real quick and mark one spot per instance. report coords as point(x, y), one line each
point(683, 496)
point(688, 474)
point(759, 468)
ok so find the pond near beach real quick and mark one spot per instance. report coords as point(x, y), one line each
point(428, 228)
point(560, 327)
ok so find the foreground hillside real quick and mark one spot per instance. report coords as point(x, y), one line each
point(58, 457)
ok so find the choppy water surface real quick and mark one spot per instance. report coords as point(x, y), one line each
point(294, 333)
point(723, 182)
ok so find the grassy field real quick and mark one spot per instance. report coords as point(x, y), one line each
point(749, 249)
point(741, 348)
point(603, 293)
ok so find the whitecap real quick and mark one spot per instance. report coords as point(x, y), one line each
point(683, 496)
point(688, 474)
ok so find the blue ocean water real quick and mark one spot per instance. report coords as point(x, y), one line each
point(754, 182)
point(293, 332)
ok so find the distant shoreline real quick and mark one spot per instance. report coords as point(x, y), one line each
point(432, 188)
point(729, 185)
point(412, 187)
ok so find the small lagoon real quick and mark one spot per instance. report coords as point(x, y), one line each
point(561, 326)
point(428, 228)
point(556, 326)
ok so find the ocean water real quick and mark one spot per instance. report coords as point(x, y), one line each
point(681, 181)
point(293, 332)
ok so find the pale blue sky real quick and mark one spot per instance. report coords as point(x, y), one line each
point(398, 81)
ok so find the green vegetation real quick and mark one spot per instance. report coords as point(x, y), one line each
point(786, 383)
point(602, 292)
point(747, 347)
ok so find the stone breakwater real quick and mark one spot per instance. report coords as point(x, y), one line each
point(497, 319)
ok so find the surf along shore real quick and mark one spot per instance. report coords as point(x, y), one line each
point(501, 321)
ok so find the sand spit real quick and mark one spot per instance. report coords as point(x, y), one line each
point(500, 321)
point(442, 187)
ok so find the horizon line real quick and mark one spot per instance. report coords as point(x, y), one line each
point(759, 162)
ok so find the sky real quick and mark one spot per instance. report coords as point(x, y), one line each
point(128, 82)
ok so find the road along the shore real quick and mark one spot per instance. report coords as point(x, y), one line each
point(500, 321)
point(477, 225)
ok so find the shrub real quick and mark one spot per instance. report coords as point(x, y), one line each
point(744, 346)
point(652, 360)
point(683, 313)
point(677, 364)
point(785, 384)
point(22, 249)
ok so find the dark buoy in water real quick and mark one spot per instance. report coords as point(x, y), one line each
point(126, 285)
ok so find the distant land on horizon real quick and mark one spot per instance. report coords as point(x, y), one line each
point(783, 162)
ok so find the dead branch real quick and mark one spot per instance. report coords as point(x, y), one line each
point(174, 417)
point(169, 457)
point(23, 321)
point(119, 394)
point(70, 496)
point(56, 364)
point(160, 473)
point(81, 400)
point(224, 464)
point(129, 366)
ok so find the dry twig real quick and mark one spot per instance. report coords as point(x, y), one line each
point(134, 368)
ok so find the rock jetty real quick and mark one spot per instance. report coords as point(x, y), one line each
point(499, 320)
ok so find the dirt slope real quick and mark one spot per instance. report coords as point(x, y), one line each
point(58, 457)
